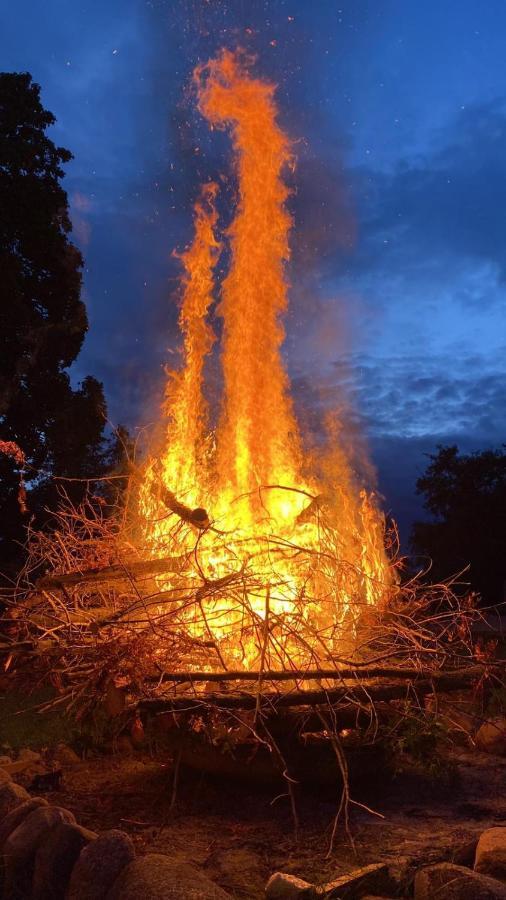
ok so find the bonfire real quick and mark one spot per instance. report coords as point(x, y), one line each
point(245, 571)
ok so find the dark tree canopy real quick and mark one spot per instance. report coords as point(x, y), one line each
point(42, 318)
point(466, 496)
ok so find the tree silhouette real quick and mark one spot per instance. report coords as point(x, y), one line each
point(466, 496)
point(42, 319)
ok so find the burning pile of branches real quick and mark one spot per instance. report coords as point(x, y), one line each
point(102, 611)
point(244, 581)
point(91, 612)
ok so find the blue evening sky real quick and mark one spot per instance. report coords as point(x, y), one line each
point(398, 111)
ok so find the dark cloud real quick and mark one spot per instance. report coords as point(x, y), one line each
point(446, 205)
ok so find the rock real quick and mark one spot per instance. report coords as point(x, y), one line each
point(491, 736)
point(21, 767)
point(285, 887)
point(30, 755)
point(369, 878)
point(5, 760)
point(16, 816)
point(18, 851)
point(4, 776)
point(65, 756)
point(99, 865)
point(55, 859)
point(491, 853)
point(450, 882)
point(11, 795)
point(157, 877)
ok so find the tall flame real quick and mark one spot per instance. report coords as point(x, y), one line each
point(257, 436)
point(299, 551)
point(184, 401)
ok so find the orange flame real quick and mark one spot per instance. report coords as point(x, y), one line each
point(185, 407)
point(309, 548)
point(257, 436)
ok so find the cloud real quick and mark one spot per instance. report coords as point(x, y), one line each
point(442, 207)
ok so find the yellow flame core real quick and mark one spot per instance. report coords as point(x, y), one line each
point(291, 559)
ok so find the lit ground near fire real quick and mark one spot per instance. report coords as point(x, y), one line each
point(239, 839)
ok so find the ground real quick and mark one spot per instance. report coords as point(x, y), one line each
point(238, 836)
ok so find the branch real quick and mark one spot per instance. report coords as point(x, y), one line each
point(368, 694)
point(316, 674)
point(128, 571)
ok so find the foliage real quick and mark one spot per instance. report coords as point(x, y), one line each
point(418, 742)
point(466, 496)
point(42, 319)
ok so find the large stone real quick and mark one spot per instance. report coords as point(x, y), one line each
point(157, 877)
point(448, 882)
point(4, 776)
point(11, 795)
point(18, 852)
point(368, 879)
point(491, 736)
point(99, 865)
point(491, 853)
point(282, 886)
point(16, 816)
point(55, 859)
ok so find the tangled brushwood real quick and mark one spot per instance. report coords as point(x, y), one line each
point(91, 610)
point(93, 604)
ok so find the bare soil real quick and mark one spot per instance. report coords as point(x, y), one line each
point(239, 835)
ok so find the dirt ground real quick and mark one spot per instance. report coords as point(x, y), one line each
point(240, 835)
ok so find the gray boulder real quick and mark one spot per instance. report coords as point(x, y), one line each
point(157, 877)
point(449, 882)
point(491, 853)
point(18, 851)
point(55, 859)
point(99, 865)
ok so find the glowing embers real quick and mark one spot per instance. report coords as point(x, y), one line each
point(280, 571)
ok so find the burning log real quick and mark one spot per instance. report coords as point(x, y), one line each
point(121, 572)
point(197, 517)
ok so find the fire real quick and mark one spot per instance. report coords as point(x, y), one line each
point(279, 567)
